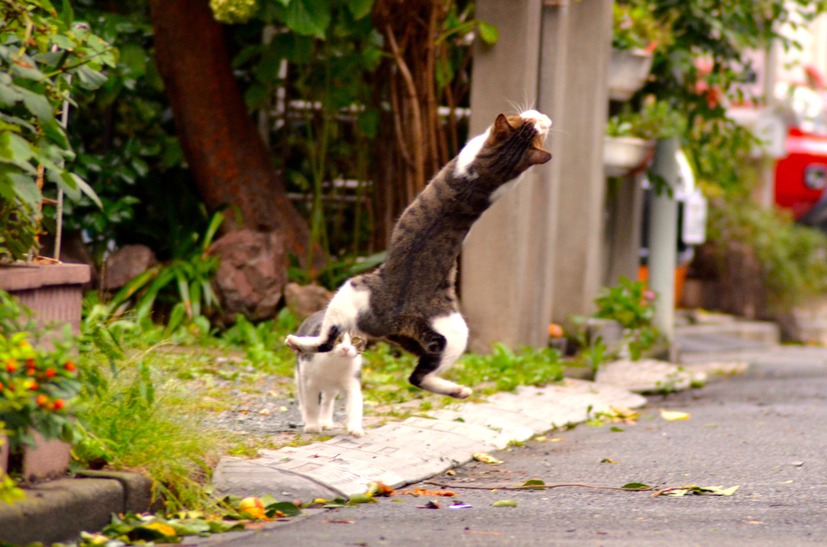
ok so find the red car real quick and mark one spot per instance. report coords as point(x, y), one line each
point(801, 177)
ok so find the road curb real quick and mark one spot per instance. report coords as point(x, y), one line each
point(59, 510)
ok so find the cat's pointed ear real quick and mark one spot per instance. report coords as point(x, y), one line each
point(537, 156)
point(501, 126)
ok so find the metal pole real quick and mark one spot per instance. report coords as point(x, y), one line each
point(663, 236)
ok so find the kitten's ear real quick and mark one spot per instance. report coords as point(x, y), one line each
point(537, 156)
point(501, 126)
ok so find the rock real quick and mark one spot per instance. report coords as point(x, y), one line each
point(648, 376)
point(126, 263)
point(305, 300)
point(251, 275)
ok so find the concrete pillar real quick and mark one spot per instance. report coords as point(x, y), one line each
point(536, 254)
point(504, 267)
point(579, 270)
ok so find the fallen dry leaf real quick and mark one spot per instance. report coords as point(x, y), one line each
point(430, 505)
point(485, 457)
point(674, 415)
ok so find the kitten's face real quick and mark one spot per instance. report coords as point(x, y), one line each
point(348, 347)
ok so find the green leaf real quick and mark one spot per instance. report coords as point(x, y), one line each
point(488, 33)
point(87, 190)
point(25, 187)
point(504, 503)
point(90, 78)
point(287, 507)
point(14, 148)
point(308, 17)
point(9, 94)
point(37, 104)
point(636, 486)
point(359, 8)
point(67, 14)
point(536, 483)
point(55, 133)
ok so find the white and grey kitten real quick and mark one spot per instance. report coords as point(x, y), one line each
point(320, 377)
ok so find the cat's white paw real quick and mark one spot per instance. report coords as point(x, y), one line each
point(312, 428)
point(356, 431)
point(293, 343)
point(326, 424)
point(462, 393)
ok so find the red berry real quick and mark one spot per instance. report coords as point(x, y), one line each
point(34, 386)
point(42, 401)
point(30, 363)
point(50, 373)
point(70, 366)
point(11, 364)
point(58, 404)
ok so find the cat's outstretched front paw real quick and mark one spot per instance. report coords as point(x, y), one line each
point(292, 342)
point(462, 392)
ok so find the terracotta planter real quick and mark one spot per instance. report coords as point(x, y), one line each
point(47, 460)
point(624, 155)
point(53, 292)
point(628, 71)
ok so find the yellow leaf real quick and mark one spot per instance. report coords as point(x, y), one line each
point(674, 415)
point(485, 457)
point(161, 528)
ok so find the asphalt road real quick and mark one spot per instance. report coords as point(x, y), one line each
point(764, 431)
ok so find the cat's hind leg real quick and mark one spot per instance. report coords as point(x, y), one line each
point(426, 374)
point(340, 316)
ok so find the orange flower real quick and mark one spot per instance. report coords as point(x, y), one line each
point(42, 401)
point(59, 403)
point(50, 373)
point(70, 366)
point(33, 386)
point(11, 364)
point(555, 330)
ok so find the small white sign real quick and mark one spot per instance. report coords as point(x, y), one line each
point(693, 231)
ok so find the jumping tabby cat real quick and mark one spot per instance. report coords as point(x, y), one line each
point(410, 299)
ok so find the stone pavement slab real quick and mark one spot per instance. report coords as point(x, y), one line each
point(419, 447)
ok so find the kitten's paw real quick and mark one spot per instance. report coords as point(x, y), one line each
point(325, 424)
point(462, 393)
point(356, 431)
point(312, 428)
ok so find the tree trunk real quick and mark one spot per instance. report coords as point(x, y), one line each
point(231, 164)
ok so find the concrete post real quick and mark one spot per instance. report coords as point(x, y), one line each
point(579, 211)
point(504, 271)
point(663, 237)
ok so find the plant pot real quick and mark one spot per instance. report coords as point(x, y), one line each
point(624, 155)
point(628, 70)
point(53, 292)
point(48, 459)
